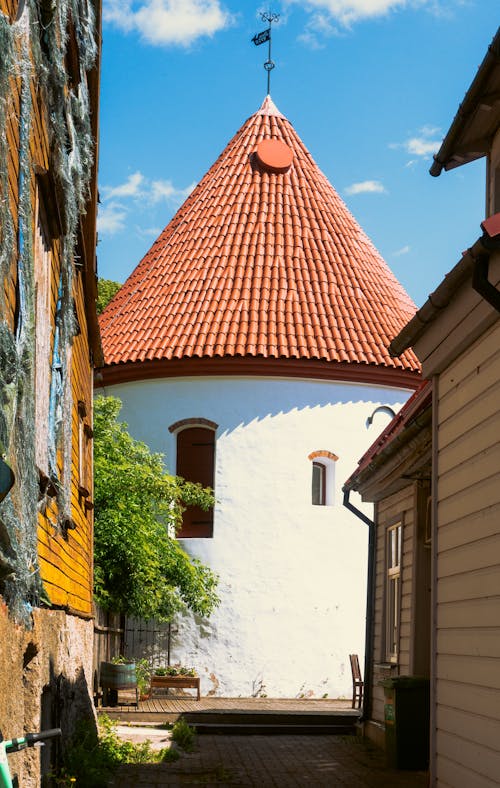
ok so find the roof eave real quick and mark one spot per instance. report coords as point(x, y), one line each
point(440, 298)
point(452, 152)
point(312, 369)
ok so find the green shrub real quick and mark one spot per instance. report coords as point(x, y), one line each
point(169, 755)
point(140, 569)
point(143, 675)
point(93, 756)
point(183, 735)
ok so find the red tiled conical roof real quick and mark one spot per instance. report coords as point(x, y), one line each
point(262, 261)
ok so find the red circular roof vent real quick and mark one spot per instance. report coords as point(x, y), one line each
point(274, 155)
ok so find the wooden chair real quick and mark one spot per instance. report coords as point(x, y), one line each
point(357, 682)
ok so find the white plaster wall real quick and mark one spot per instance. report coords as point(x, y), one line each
point(292, 575)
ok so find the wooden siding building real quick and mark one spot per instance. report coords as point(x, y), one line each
point(395, 474)
point(49, 343)
point(456, 335)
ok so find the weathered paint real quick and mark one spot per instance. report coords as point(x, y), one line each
point(293, 575)
point(46, 661)
point(65, 562)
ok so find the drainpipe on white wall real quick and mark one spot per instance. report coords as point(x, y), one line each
point(370, 597)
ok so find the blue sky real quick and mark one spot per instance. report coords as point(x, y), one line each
point(371, 86)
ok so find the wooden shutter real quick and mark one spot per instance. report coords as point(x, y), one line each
point(195, 463)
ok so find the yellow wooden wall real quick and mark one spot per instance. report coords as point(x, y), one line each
point(65, 560)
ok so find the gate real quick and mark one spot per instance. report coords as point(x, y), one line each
point(108, 640)
point(147, 640)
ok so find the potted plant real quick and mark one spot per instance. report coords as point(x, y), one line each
point(175, 676)
point(119, 674)
point(143, 677)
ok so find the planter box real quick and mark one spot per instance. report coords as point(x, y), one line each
point(171, 682)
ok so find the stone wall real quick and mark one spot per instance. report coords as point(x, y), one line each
point(45, 682)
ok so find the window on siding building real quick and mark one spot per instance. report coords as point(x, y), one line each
point(393, 586)
point(196, 463)
point(323, 477)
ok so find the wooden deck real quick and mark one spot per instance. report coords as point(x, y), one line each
point(159, 709)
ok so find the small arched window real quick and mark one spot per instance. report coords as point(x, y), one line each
point(319, 483)
point(323, 477)
point(196, 463)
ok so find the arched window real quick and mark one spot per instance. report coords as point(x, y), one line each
point(196, 463)
point(323, 477)
point(319, 484)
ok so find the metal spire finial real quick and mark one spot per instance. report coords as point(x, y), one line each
point(261, 38)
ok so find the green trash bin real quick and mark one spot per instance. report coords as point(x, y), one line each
point(406, 716)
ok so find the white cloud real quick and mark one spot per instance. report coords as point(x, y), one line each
point(366, 187)
point(419, 146)
point(162, 190)
point(111, 218)
point(346, 12)
point(403, 250)
point(187, 191)
point(167, 22)
point(143, 193)
point(335, 17)
point(319, 26)
point(131, 187)
point(165, 190)
point(430, 131)
point(148, 232)
point(423, 144)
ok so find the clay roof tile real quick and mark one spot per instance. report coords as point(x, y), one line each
point(263, 258)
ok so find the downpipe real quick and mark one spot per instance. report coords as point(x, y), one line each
point(370, 597)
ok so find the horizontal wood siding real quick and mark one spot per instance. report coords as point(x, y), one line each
point(65, 561)
point(400, 505)
point(468, 568)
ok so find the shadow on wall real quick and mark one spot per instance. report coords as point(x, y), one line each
point(234, 403)
point(64, 704)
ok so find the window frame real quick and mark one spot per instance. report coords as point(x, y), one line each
point(321, 468)
point(325, 459)
point(206, 530)
point(392, 579)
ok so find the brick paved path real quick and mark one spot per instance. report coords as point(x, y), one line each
point(274, 762)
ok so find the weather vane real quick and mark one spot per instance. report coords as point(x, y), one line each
point(261, 38)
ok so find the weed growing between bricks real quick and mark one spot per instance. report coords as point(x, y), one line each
point(93, 756)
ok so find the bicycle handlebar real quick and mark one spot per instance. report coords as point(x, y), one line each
point(30, 739)
point(33, 738)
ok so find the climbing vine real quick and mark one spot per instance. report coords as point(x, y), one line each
point(140, 569)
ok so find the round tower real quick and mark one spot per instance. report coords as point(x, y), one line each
point(250, 347)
